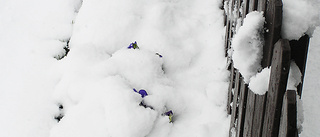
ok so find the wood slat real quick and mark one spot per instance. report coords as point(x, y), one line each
point(277, 87)
point(274, 21)
point(227, 37)
point(258, 116)
point(262, 4)
point(260, 100)
point(231, 86)
point(242, 108)
point(225, 14)
point(288, 124)
point(234, 112)
point(253, 5)
point(249, 114)
point(229, 27)
point(245, 8)
point(251, 99)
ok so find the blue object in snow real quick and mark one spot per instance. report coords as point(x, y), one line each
point(169, 114)
point(133, 46)
point(159, 55)
point(142, 92)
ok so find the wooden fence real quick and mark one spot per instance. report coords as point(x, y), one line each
point(273, 114)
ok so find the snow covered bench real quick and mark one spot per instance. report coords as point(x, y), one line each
point(267, 66)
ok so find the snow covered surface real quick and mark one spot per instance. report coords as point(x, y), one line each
point(294, 78)
point(300, 115)
point(94, 82)
point(300, 17)
point(247, 45)
point(259, 83)
point(311, 93)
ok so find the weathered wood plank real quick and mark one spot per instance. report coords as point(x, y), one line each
point(274, 21)
point(237, 7)
point(245, 8)
point(299, 52)
point(260, 100)
point(242, 107)
point(231, 86)
point(229, 26)
point(234, 112)
point(248, 123)
point(239, 2)
point(249, 115)
point(227, 37)
point(262, 5)
point(277, 87)
point(258, 116)
point(253, 5)
point(288, 124)
point(225, 14)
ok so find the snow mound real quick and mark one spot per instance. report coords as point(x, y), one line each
point(67, 71)
point(247, 45)
point(300, 17)
point(259, 83)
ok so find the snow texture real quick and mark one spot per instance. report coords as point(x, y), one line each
point(247, 45)
point(311, 86)
point(294, 78)
point(91, 88)
point(259, 83)
point(300, 114)
point(300, 17)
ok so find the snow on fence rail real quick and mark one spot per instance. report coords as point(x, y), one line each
point(274, 113)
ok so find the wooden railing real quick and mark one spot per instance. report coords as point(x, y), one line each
point(273, 114)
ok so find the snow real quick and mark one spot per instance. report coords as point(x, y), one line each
point(294, 78)
point(259, 83)
point(92, 87)
point(247, 45)
point(311, 86)
point(300, 17)
point(300, 114)
point(29, 39)
point(94, 83)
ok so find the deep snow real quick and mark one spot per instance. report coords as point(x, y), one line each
point(94, 83)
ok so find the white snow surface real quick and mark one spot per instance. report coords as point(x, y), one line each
point(300, 17)
point(247, 45)
point(95, 81)
point(300, 114)
point(259, 83)
point(294, 78)
point(311, 86)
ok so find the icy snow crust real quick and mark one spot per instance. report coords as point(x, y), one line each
point(95, 81)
